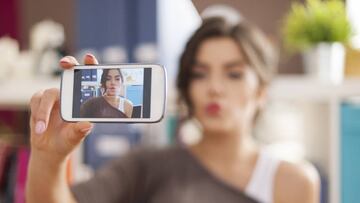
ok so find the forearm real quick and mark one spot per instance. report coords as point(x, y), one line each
point(47, 182)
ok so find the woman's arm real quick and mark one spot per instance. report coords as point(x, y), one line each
point(297, 183)
point(128, 108)
point(47, 182)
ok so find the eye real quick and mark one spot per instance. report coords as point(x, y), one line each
point(198, 72)
point(198, 75)
point(235, 75)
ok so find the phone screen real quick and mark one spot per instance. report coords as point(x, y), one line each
point(112, 93)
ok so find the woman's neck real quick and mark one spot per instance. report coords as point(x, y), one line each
point(113, 100)
point(231, 157)
point(226, 147)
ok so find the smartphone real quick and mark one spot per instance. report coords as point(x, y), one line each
point(127, 93)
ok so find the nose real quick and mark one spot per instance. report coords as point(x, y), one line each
point(215, 87)
point(112, 82)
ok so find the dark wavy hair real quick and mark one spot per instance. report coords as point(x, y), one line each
point(106, 73)
point(259, 52)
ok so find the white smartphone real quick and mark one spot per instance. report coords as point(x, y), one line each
point(126, 93)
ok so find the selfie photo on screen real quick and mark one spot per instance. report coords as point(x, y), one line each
point(112, 93)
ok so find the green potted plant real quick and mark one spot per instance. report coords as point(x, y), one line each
point(318, 29)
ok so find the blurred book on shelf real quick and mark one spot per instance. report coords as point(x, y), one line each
point(5, 151)
point(350, 151)
point(13, 172)
point(352, 62)
point(22, 159)
point(14, 155)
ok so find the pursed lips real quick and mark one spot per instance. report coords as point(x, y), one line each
point(213, 108)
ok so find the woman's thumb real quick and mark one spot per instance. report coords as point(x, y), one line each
point(79, 131)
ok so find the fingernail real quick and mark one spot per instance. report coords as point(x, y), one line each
point(40, 127)
point(86, 130)
point(65, 60)
point(90, 55)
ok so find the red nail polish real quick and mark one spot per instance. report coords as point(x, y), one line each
point(90, 55)
point(64, 60)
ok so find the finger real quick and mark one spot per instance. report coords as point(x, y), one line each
point(78, 132)
point(42, 115)
point(68, 62)
point(34, 105)
point(90, 59)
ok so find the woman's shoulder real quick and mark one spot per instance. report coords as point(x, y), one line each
point(146, 153)
point(94, 100)
point(91, 107)
point(296, 182)
point(128, 102)
point(93, 103)
point(149, 159)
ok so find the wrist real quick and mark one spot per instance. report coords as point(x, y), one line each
point(47, 160)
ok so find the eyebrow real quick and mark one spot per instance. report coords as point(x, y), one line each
point(200, 65)
point(238, 63)
point(232, 64)
point(116, 76)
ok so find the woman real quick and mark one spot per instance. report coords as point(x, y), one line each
point(224, 72)
point(111, 104)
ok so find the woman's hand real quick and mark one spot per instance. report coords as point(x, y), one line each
point(53, 139)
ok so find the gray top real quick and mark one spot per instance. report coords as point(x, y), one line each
point(161, 176)
point(98, 107)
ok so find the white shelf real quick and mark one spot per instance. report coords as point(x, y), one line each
point(90, 83)
point(301, 88)
point(16, 93)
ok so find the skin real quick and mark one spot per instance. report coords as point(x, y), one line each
point(113, 91)
point(227, 149)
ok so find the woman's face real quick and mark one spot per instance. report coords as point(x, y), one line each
point(224, 89)
point(113, 83)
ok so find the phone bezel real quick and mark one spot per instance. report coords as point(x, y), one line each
point(158, 82)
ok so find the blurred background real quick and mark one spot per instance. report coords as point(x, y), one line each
point(313, 110)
